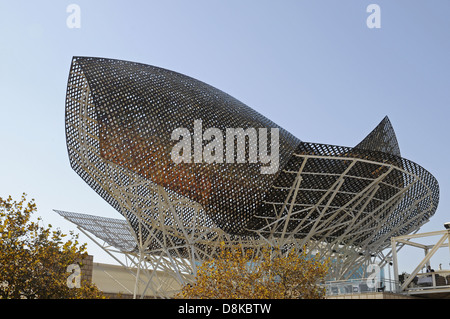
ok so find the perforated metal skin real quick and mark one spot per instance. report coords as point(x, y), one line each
point(136, 107)
point(119, 120)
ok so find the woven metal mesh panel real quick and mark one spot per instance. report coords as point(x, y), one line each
point(134, 109)
point(379, 194)
point(115, 232)
point(382, 139)
point(119, 119)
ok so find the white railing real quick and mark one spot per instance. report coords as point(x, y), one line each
point(439, 279)
point(422, 282)
point(358, 286)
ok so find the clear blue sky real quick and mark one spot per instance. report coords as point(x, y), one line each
point(313, 67)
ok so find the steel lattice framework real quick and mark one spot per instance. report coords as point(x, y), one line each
point(343, 202)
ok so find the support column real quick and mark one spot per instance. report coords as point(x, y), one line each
point(395, 261)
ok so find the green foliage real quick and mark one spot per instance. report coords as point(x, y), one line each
point(242, 274)
point(34, 258)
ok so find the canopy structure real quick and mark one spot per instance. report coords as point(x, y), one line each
point(341, 201)
point(115, 232)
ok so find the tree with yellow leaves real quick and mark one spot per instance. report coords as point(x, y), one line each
point(270, 274)
point(34, 258)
